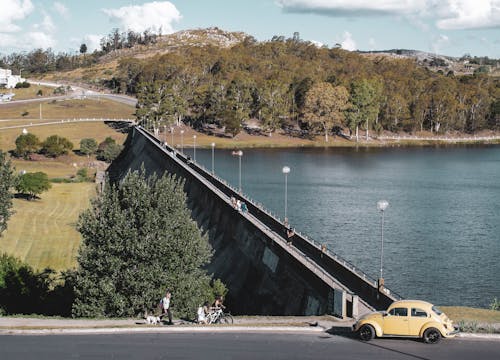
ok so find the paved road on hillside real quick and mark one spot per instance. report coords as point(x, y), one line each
point(236, 346)
point(78, 91)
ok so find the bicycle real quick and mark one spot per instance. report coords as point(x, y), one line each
point(218, 316)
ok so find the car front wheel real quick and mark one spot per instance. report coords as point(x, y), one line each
point(366, 332)
point(432, 336)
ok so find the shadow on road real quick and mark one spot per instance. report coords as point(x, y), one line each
point(348, 333)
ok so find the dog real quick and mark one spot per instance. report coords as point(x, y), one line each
point(153, 320)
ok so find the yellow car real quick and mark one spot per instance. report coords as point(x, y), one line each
point(406, 318)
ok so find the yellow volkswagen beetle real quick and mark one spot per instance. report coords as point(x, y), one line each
point(406, 318)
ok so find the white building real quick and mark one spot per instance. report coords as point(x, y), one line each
point(9, 81)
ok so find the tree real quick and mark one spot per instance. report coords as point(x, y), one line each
point(83, 48)
point(7, 181)
point(26, 145)
point(88, 146)
point(139, 240)
point(365, 105)
point(55, 146)
point(33, 184)
point(324, 105)
point(108, 150)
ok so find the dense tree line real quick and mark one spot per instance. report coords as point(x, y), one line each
point(277, 81)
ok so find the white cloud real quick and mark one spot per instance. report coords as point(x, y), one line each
point(92, 41)
point(439, 42)
point(11, 11)
point(448, 14)
point(61, 9)
point(29, 41)
point(47, 25)
point(372, 44)
point(151, 15)
point(347, 42)
point(318, 44)
point(465, 14)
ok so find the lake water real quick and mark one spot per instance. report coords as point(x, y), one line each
point(441, 229)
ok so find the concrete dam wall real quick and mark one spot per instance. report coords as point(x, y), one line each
point(264, 274)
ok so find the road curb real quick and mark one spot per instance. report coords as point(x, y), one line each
point(472, 336)
point(172, 329)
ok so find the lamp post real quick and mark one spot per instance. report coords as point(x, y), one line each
point(182, 141)
point(381, 206)
point(165, 134)
point(286, 171)
point(213, 148)
point(171, 134)
point(239, 154)
point(194, 148)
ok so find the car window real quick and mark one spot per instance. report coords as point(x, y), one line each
point(418, 312)
point(436, 310)
point(399, 312)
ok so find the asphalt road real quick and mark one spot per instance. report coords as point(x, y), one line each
point(221, 346)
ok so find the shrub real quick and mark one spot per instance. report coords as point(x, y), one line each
point(33, 184)
point(55, 146)
point(495, 305)
point(21, 85)
point(26, 144)
point(108, 150)
point(88, 146)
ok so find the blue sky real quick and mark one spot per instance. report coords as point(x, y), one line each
point(449, 27)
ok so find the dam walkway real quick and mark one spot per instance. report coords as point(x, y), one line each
point(350, 292)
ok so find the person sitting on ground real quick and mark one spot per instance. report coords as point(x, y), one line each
point(202, 313)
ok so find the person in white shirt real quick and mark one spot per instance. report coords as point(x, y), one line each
point(165, 304)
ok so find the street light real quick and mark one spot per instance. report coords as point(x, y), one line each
point(213, 147)
point(239, 154)
point(194, 147)
point(171, 133)
point(381, 206)
point(182, 141)
point(286, 171)
point(165, 134)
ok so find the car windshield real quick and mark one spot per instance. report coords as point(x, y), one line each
point(436, 310)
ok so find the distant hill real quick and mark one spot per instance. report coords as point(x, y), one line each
point(465, 65)
point(212, 36)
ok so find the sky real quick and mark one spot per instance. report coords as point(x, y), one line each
point(447, 27)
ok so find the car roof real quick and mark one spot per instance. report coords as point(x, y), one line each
point(411, 303)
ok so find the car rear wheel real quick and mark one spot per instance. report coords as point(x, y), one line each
point(432, 336)
point(366, 332)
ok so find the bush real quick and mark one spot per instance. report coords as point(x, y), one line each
point(108, 150)
point(55, 146)
point(33, 184)
point(495, 305)
point(23, 85)
point(26, 144)
point(26, 291)
point(88, 146)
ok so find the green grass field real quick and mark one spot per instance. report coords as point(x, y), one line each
point(42, 232)
point(66, 109)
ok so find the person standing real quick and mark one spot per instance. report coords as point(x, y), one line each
point(165, 304)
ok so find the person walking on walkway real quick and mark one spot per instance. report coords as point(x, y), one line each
point(165, 305)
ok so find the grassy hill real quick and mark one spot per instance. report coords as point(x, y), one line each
point(42, 232)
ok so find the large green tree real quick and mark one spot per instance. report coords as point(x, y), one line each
point(7, 181)
point(56, 145)
point(26, 144)
point(139, 240)
point(88, 146)
point(33, 184)
point(364, 97)
point(325, 105)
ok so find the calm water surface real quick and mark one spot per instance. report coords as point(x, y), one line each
point(442, 227)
